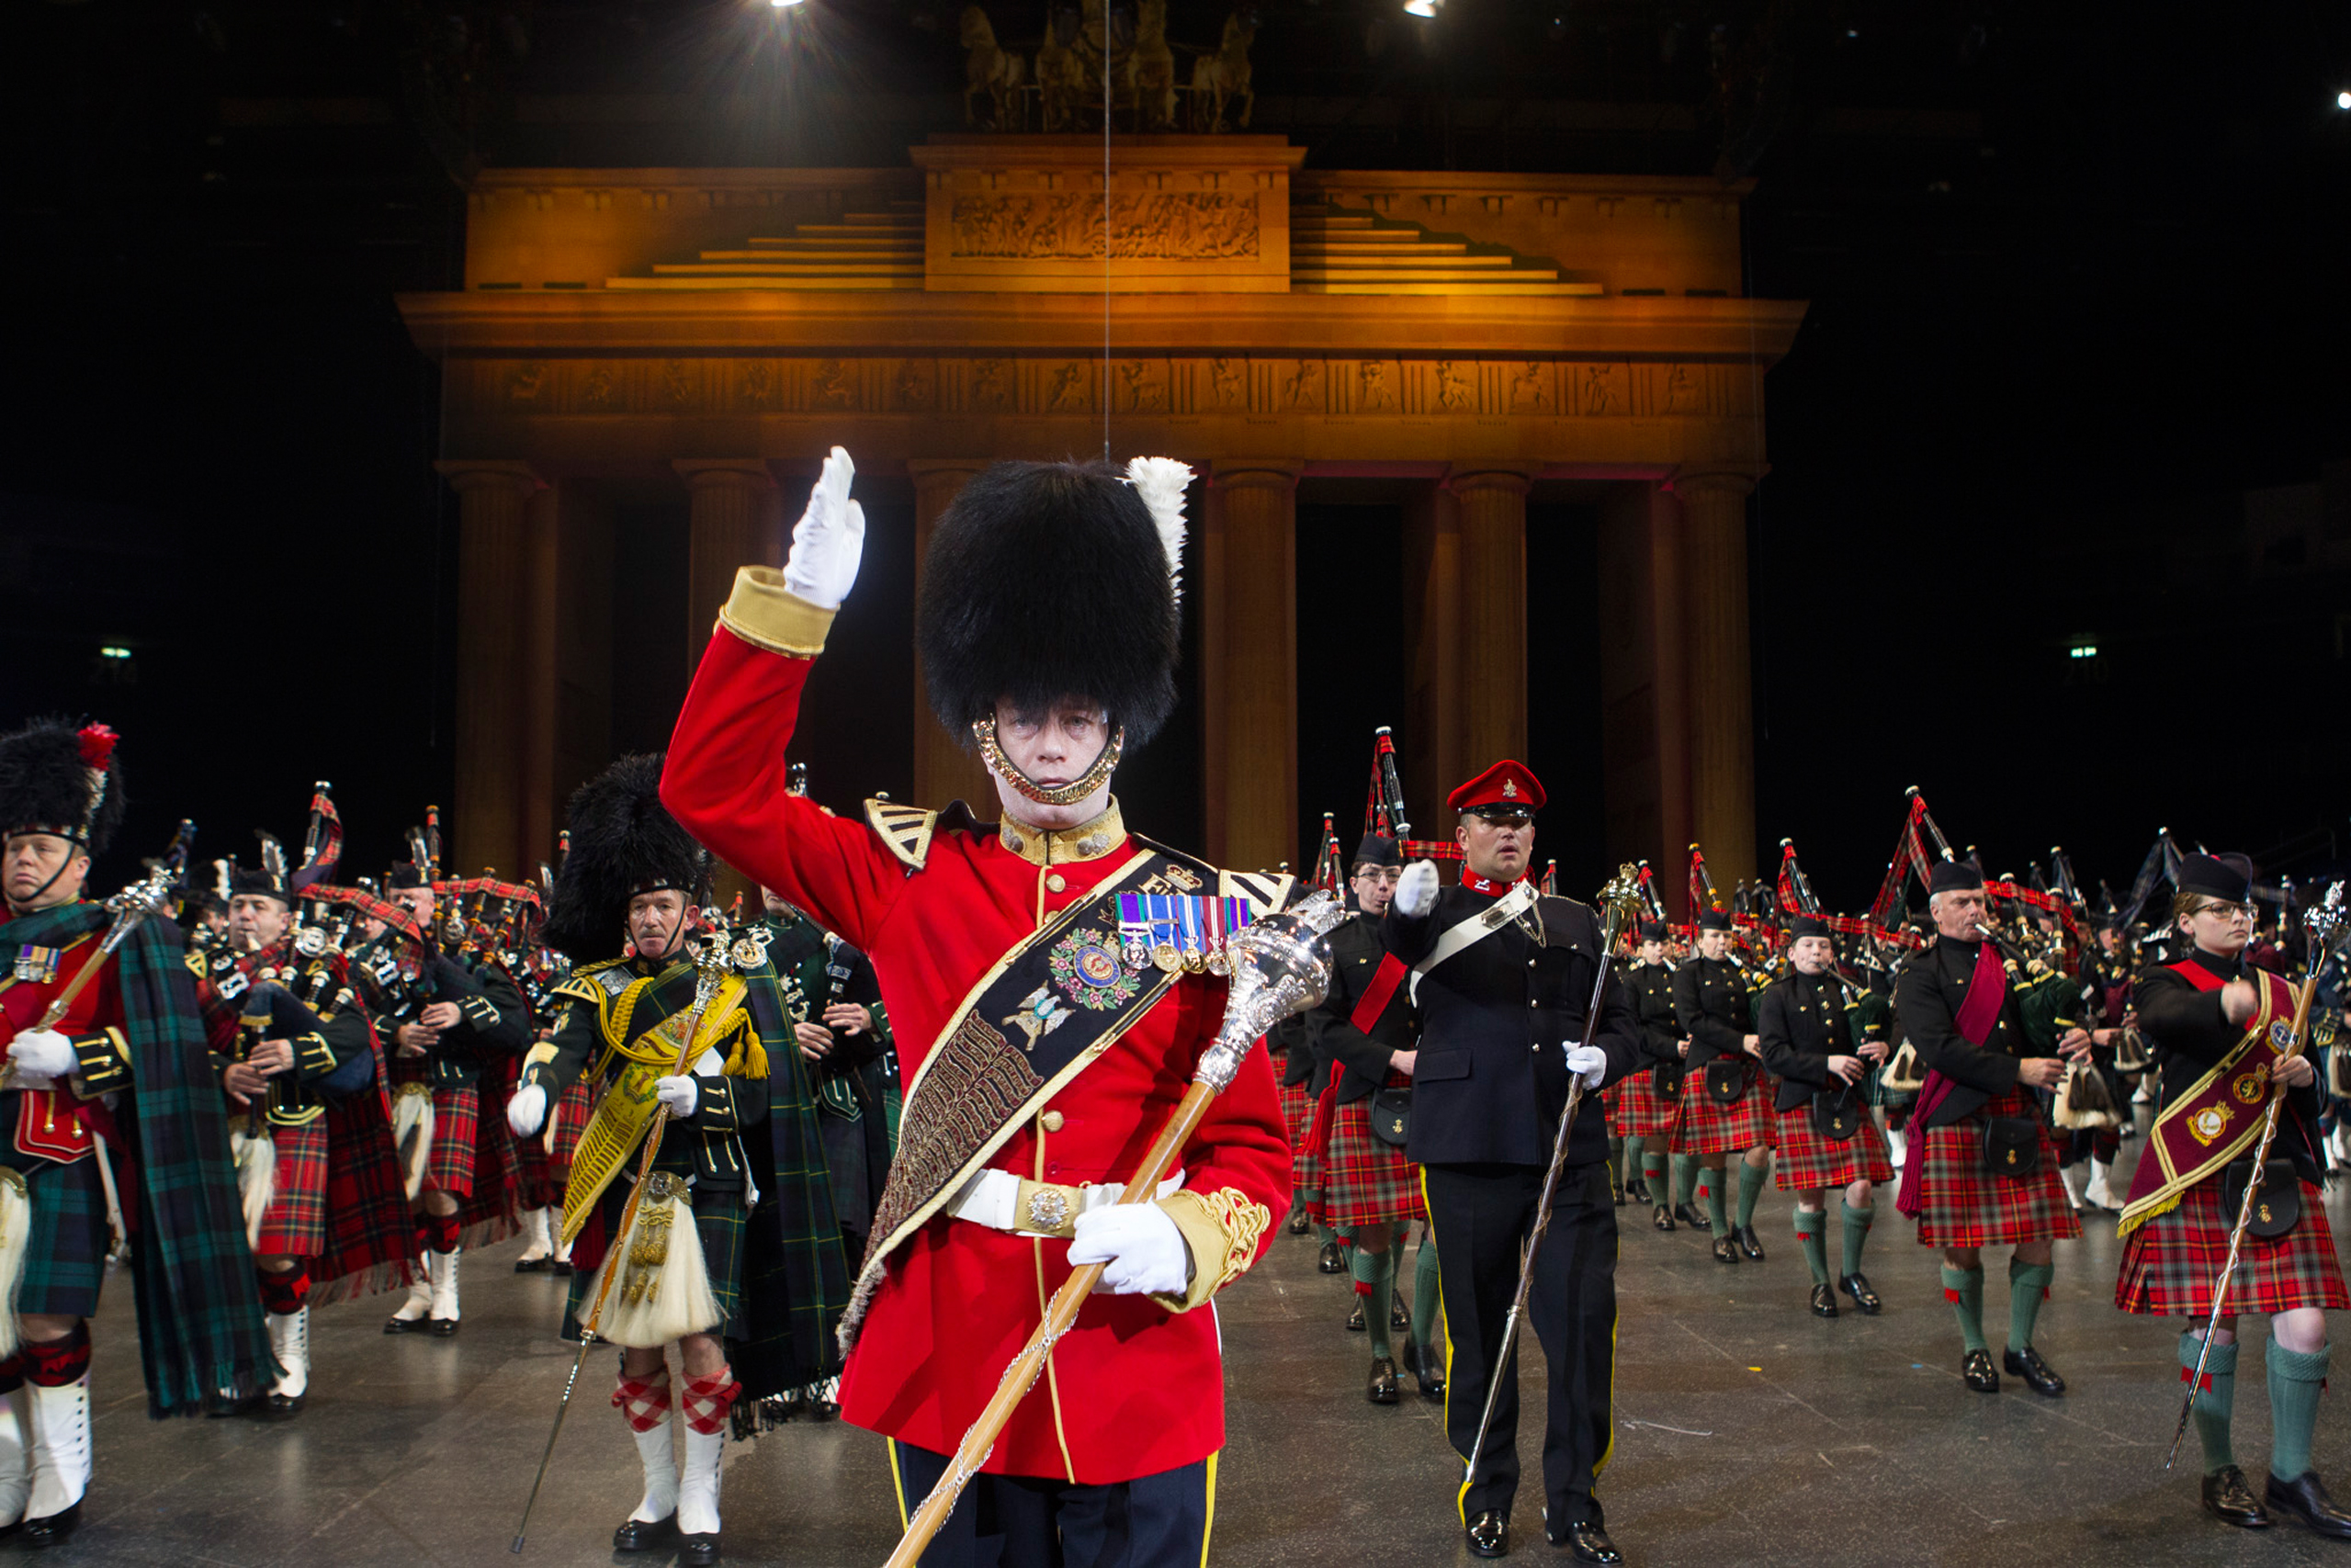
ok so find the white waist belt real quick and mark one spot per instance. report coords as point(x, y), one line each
point(994, 1199)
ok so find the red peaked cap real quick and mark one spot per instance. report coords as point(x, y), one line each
point(1505, 784)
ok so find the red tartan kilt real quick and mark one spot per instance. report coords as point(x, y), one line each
point(1961, 1204)
point(1298, 1115)
point(1808, 1161)
point(1370, 1182)
point(2169, 1263)
point(1707, 1128)
point(457, 1128)
point(1639, 1112)
point(571, 1113)
point(294, 1225)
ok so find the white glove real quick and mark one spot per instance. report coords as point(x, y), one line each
point(1415, 890)
point(42, 1053)
point(526, 1113)
point(829, 540)
point(680, 1094)
point(1589, 1060)
point(1144, 1252)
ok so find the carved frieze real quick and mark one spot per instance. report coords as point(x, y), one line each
point(1144, 226)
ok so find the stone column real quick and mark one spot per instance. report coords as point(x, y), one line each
point(1717, 675)
point(1248, 668)
point(731, 524)
point(1430, 750)
point(1491, 504)
point(493, 500)
point(943, 770)
point(1645, 725)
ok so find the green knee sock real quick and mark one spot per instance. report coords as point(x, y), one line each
point(1653, 1173)
point(1856, 1234)
point(1615, 1153)
point(1323, 1233)
point(1685, 1176)
point(2294, 1381)
point(1750, 1187)
point(2027, 1283)
point(2216, 1402)
point(1375, 1275)
point(1810, 1235)
point(1424, 1291)
point(1715, 1204)
point(1964, 1287)
point(1631, 1163)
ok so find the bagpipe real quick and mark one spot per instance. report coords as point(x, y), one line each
point(1383, 810)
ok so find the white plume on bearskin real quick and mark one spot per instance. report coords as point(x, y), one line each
point(1162, 483)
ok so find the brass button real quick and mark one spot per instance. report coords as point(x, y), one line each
point(1054, 882)
point(1050, 1121)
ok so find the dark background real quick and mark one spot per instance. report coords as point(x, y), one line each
point(2072, 375)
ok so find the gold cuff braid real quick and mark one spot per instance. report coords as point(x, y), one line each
point(1222, 1228)
point(765, 613)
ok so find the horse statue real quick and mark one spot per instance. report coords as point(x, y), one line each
point(1064, 84)
point(991, 71)
point(1150, 69)
point(1223, 78)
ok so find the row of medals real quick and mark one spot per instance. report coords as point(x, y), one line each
point(1173, 960)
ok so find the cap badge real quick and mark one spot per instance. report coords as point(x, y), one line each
point(1509, 789)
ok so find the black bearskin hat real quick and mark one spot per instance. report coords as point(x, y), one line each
point(270, 878)
point(49, 773)
point(624, 842)
point(1046, 581)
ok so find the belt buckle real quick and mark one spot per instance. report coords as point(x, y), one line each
point(1048, 1211)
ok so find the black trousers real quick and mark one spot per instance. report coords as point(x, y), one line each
point(1481, 1216)
point(1038, 1521)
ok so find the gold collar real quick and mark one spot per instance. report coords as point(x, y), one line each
point(1088, 841)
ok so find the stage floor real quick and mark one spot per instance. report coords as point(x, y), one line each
point(1748, 1432)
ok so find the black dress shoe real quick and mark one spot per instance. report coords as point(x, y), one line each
point(1489, 1535)
point(1976, 1370)
point(697, 1550)
point(280, 1406)
point(1329, 1260)
point(1588, 1542)
point(1638, 1191)
point(1688, 1214)
point(1299, 1223)
point(1725, 1250)
point(1616, 1189)
point(533, 1264)
point(1858, 1287)
point(2228, 1499)
point(560, 1269)
point(1355, 1324)
point(1749, 1243)
point(1381, 1390)
point(407, 1324)
point(1428, 1370)
point(2302, 1500)
point(1824, 1301)
point(1399, 1315)
point(2027, 1364)
point(441, 1327)
point(1662, 1218)
point(48, 1530)
point(645, 1535)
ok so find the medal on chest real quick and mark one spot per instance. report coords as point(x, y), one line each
point(38, 965)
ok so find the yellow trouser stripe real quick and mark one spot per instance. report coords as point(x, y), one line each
point(1460, 1499)
point(898, 1483)
point(1208, 1526)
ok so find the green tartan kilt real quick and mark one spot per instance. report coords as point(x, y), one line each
point(65, 1253)
point(718, 1220)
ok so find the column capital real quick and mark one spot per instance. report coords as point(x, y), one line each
point(725, 473)
point(490, 473)
point(1719, 478)
point(1515, 479)
point(1255, 473)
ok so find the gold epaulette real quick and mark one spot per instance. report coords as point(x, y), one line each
point(907, 830)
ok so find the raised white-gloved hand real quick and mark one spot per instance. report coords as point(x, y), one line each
point(526, 1113)
point(1143, 1252)
point(1590, 1061)
point(680, 1094)
point(830, 538)
point(1415, 890)
point(42, 1053)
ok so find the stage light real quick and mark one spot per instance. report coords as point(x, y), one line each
point(1422, 7)
point(785, 4)
point(2343, 100)
point(112, 652)
point(2083, 650)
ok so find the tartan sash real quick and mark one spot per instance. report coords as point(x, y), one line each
point(1987, 989)
point(2222, 1115)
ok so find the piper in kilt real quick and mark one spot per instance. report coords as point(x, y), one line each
point(1366, 1029)
point(1961, 1014)
point(1815, 1040)
point(1649, 1101)
point(1293, 1066)
point(2207, 1019)
point(1723, 1109)
point(124, 1067)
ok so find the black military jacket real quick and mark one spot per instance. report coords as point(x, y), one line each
point(1926, 996)
point(1803, 1021)
point(1292, 1057)
point(1360, 1059)
point(1491, 1079)
point(1710, 1000)
point(2188, 1033)
point(1651, 986)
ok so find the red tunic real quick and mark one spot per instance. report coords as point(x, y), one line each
point(1134, 1389)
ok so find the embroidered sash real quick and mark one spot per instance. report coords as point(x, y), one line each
point(2219, 1117)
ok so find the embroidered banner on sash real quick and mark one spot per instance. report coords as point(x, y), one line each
point(2219, 1117)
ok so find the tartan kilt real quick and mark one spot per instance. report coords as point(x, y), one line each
point(1370, 1182)
point(719, 1220)
point(457, 1128)
point(1961, 1204)
point(1706, 1128)
point(65, 1247)
point(294, 1225)
point(1639, 1112)
point(2169, 1263)
point(1808, 1161)
point(572, 1114)
point(1298, 1117)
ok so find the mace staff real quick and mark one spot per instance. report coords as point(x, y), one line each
point(130, 907)
point(2322, 921)
point(1282, 965)
point(1617, 901)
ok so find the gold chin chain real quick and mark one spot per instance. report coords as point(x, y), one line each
point(983, 730)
